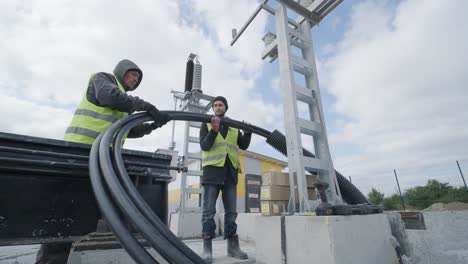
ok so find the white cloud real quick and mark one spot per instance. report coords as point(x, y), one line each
point(221, 16)
point(49, 49)
point(24, 117)
point(400, 77)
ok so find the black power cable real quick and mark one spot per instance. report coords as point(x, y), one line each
point(111, 213)
point(116, 193)
point(139, 202)
point(121, 197)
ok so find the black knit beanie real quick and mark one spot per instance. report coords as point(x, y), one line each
point(222, 99)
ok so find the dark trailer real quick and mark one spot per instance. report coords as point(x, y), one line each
point(46, 193)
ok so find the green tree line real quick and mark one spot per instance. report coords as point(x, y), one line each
point(420, 197)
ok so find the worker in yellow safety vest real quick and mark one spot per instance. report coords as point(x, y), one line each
point(220, 146)
point(104, 102)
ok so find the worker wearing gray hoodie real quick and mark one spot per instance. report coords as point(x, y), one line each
point(104, 102)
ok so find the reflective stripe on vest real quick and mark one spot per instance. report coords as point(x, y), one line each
point(93, 114)
point(222, 148)
point(90, 120)
point(82, 131)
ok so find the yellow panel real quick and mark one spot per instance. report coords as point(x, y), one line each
point(174, 196)
point(194, 196)
point(270, 166)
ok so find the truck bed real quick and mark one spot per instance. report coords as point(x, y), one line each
point(46, 193)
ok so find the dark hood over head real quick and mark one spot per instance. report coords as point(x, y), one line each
point(122, 67)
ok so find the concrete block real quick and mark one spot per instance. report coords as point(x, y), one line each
point(246, 226)
point(268, 239)
point(399, 232)
point(361, 239)
point(445, 239)
point(188, 225)
point(357, 239)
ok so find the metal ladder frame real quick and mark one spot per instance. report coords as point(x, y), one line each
point(196, 102)
point(297, 33)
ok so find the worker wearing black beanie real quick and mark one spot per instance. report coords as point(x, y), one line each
point(220, 146)
point(222, 99)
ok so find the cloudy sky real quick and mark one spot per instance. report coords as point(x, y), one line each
point(392, 73)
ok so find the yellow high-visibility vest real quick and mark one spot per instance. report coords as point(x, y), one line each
point(90, 120)
point(222, 148)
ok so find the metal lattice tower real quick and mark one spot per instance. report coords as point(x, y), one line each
point(197, 102)
point(296, 34)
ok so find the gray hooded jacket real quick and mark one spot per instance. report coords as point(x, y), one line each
point(103, 90)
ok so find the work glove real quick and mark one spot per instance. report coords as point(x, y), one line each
point(141, 130)
point(245, 131)
point(155, 125)
point(159, 118)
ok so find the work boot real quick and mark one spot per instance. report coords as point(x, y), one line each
point(207, 255)
point(233, 249)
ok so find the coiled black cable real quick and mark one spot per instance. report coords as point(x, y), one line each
point(126, 203)
point(139, 202)
point(111, 213)
point(116, 193)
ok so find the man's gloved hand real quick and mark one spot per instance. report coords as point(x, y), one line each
point(153, 111)
point(141, 130)
point(244, 131)
point(155, 125)
point(159, 118)
point(163, 119)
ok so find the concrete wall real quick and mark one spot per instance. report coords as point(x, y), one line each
point(188, 225)
point(399, 232)
point(445, 239)
point(325, 239)
point(268, 239)
point(245, 225)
